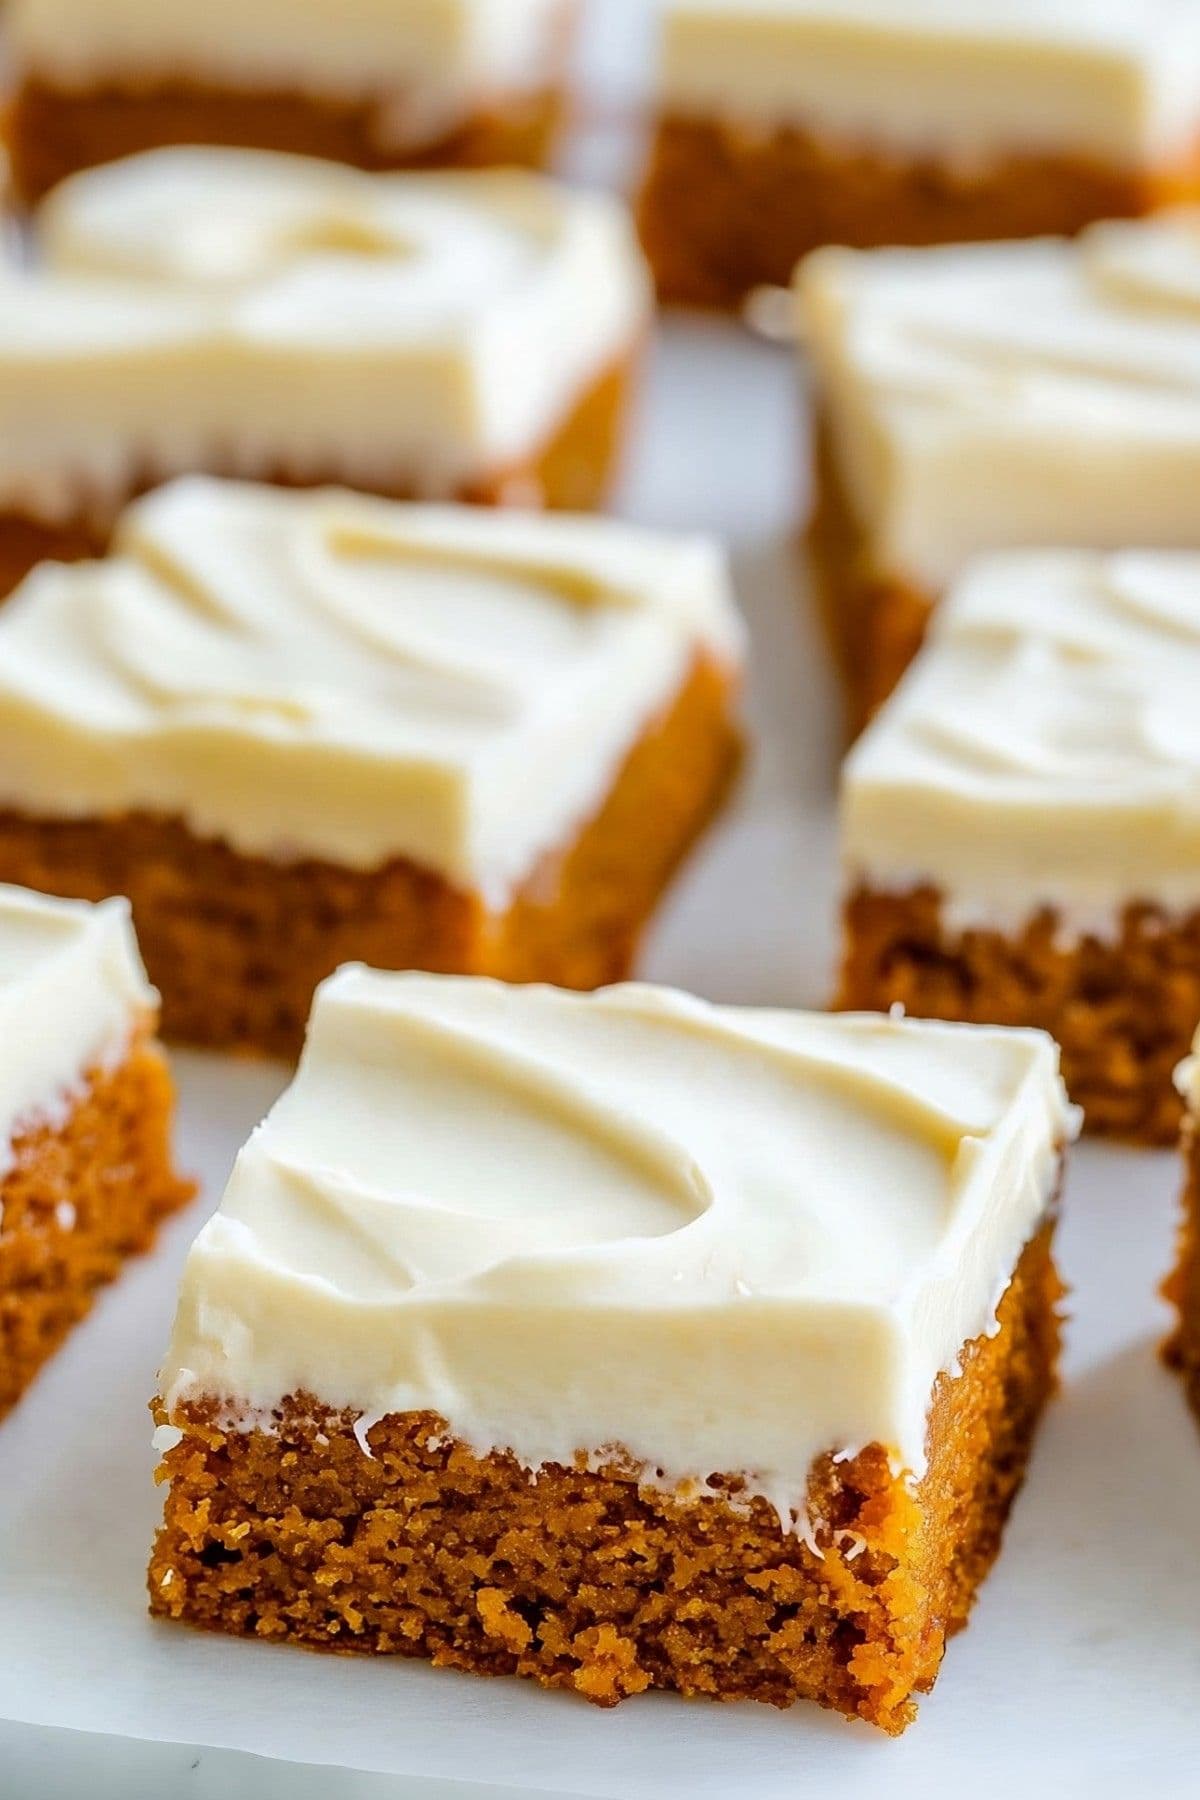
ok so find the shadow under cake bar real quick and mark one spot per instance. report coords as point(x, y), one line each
point(383, 84)
point(232, 312)
point(297, 729)
point(618, 1341)
point(85, 1116)
point(995, 397)
point(788, 124)
point(1021, 823)
point(1182, 1349)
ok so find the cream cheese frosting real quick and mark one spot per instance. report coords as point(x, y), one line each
point(326, 674)
point(72, 989)
point(1044, 749)
point(427, 61)
point(251, 313)
point(726, 1240)
point(999, 396)
point(1117, 81)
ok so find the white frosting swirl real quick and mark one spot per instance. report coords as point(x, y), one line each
point(1006, 395)
point(247, 313)
point(330, 675)
point(1045, 747)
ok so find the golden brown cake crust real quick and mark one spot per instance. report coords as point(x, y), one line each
point(727, 207)
point(54, 132)
point(1182, 1289)
point(1124, 1010)
point(81, 1195)
point(571, 473)
point(236, 944)
point(584, 1581)
point(875, 622)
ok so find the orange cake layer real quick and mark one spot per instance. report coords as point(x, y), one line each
point(236, 944)
point(875, 622)
point(54, 132)
point(573, 473)
point(728, 207)
point(79, 1197)
point(1182, 1349)
point(1123, 1011)
point(585, 1581)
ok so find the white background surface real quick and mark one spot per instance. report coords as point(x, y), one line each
point(1080, 1673)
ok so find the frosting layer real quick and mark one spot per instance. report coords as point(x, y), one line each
point(432, 58)
point(725, 1240)
point(1044, 748)
point(324, 674)
point(1113, 80)
point(254, 313)
point(1006, 395)
point(72, 988)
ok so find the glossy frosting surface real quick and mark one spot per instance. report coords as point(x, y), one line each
point(1044, 749)
point(1007, 395)
point(72, 989)
point(725, 1240)
point(256, 314)
point(1116, 81)
point(331, 675)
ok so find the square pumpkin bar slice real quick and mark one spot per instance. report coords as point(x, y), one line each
point(439, 336)
point(995, 397)
point(298, 729)
point(86, 1100)
point(1020, 829)
point(383, 84)
point(618, 1341)
point(788, 124)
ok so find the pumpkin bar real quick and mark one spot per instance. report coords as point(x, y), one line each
point(85, 1120)
point(618, 1341)
point(788, 124)
point(995, 397)
point(382, 84)
point(1021, 828)
point(297, 729)
point(234, 312)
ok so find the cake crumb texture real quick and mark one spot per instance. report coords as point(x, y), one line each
point(583, 1580)
point(729, 206)
point(1123, 1010)
point(80, 1195)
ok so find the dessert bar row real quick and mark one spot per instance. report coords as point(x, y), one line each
point(294, 701)
point(782, 124)
point(519, 1344)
